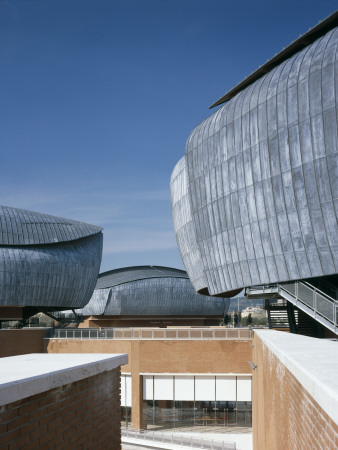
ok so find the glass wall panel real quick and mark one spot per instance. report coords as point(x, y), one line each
point(226, 401)
point(244, 389)
point(184, 388)
point(226, 413)
point(163, 388)
point(164, 414)
point(123, 390)
point(126, 416)
point(244, 414)
point(148, 387)
point(126, 400)
point(205, 413)
point(226, 388)
point(128, 390)
point(185, 413)
point(148, 413)
point(204, 388)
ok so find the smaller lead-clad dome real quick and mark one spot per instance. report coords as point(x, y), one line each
point(150, 291)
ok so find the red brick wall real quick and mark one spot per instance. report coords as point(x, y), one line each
point(285, 416)
point(84, 414)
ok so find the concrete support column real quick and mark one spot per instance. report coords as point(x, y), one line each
point(137, 421)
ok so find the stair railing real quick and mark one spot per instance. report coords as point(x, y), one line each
point(321, 304)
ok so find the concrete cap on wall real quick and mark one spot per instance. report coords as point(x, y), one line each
point(313, 362)
point(26, 375)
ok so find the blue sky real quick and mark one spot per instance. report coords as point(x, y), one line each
point(98, 97)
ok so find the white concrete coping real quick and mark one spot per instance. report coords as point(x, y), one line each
point(313, 362)
point(25, 375)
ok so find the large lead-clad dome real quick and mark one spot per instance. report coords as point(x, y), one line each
point(150, 291)
point(261, 175)
point(45, 261)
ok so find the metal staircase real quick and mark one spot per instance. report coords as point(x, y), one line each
point(316, 303)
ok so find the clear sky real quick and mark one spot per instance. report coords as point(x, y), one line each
point(98, 97)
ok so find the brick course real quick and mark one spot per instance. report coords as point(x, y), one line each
point(84, 414)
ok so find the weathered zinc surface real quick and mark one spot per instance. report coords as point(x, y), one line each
point(47, 261)
point(184, 226)
point(150, 290)
point(258, 199)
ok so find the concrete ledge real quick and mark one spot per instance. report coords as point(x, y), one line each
point(26, 375)
point(313, 362)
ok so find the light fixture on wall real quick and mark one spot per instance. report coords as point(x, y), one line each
point(252, 365)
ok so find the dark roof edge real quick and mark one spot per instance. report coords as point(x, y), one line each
point(303, 41)
point(139, 279)
point(128, 268)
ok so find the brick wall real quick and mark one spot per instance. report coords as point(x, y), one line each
point(160, 356)
point(21, 342)
point(285, 415)
point(84, 414)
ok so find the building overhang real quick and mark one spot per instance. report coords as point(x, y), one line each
point(303, 41)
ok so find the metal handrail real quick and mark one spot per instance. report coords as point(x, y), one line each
point(318, 305)
point(314, 288)
point(315, 309)
point(152, 333)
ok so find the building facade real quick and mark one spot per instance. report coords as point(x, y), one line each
point(175, 377)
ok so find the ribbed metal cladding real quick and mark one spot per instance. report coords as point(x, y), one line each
point(150, 291)
point(127, 274)
point(262, 178)
point(22, 227)
point(47, 261)
point(184, 227)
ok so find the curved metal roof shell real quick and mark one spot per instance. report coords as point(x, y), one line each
point(262, 177)
point(127, 274)
point(45, 261)
point(22, 227)
point(50, 276)
point(150, 291)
